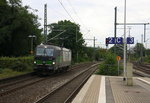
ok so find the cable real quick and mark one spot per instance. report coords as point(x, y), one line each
point(76, 14)
point(74, 10)
point(58, 13)
point(66, 10)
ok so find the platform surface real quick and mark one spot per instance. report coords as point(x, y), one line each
point(109, 89)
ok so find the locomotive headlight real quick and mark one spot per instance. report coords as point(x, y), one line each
point(34, 62)
point(53, 62)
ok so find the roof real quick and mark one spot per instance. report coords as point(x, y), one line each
point(52, 46)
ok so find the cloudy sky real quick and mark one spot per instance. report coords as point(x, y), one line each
point(96, 17)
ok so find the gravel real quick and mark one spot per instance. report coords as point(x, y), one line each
point(33, 92)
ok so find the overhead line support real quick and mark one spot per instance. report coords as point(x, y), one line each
point(137, 24)
point(45, 23)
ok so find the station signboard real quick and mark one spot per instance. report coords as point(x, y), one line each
point(130, 40)
point(110, 40)
point(119, 40)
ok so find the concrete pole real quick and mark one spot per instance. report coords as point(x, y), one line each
point(144, 32)
point(118, 67)
point(129, 44)
point(129, 74)
point(77, 44)
point(31, 45)
point(94, 48)
point(124, 41)
point(115, 28)
point(141, 48)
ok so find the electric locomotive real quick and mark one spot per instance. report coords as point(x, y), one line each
point(50, 59)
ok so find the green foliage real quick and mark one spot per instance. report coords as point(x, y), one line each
point(119, 50)
point(4, 73)
point(147, 59)
point(17, 64)
point(147, 56)
point(72, 38)
point(138, 47)
point(109, 66)
point(100, 54)
point(88, 53)
point(147, 52)
point(16, 24)
point(139, 51)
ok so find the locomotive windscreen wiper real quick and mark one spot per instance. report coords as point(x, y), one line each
point(45, 53)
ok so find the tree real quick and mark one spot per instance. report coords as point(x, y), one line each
point(119, 50)
point(16, 24)
point(109, 66)
point(139, 50)
point(89, 51)
point(100, 54)
point(71, 38)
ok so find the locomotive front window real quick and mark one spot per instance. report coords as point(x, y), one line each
point(44, 52)
point(49, 52)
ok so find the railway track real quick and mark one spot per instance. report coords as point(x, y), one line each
point(9, 88)
point(21, 78)
point(12, 87)
point(141, 69)
point(27, 75)
point(28, 81)
point(66, 92)
point(145, 65)
point(15, 78)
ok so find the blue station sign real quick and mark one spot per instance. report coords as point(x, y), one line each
point(119, 40)
point(110, 40)
point(130, 40)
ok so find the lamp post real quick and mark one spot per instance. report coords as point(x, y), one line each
point(124, 41)
point(31, 36)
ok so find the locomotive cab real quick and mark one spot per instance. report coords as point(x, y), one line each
point(44, 61)
point(50, 59)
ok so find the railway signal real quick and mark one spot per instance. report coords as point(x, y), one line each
point(31, 36)
point(106, 41)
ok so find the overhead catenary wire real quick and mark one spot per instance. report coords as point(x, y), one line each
point(58, 13)
point(69, 13)
point(66, 10)
point(73, 9)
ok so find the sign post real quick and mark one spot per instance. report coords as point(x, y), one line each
point(118, 59)
point(119, 40)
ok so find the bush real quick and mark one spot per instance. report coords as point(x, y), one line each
point(109, 66)
point(5, 73)
point(147, 59)
point(17, 64)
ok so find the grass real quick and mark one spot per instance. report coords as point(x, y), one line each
point(5, 73)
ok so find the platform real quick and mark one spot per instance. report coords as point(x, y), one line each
point(112, 89)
